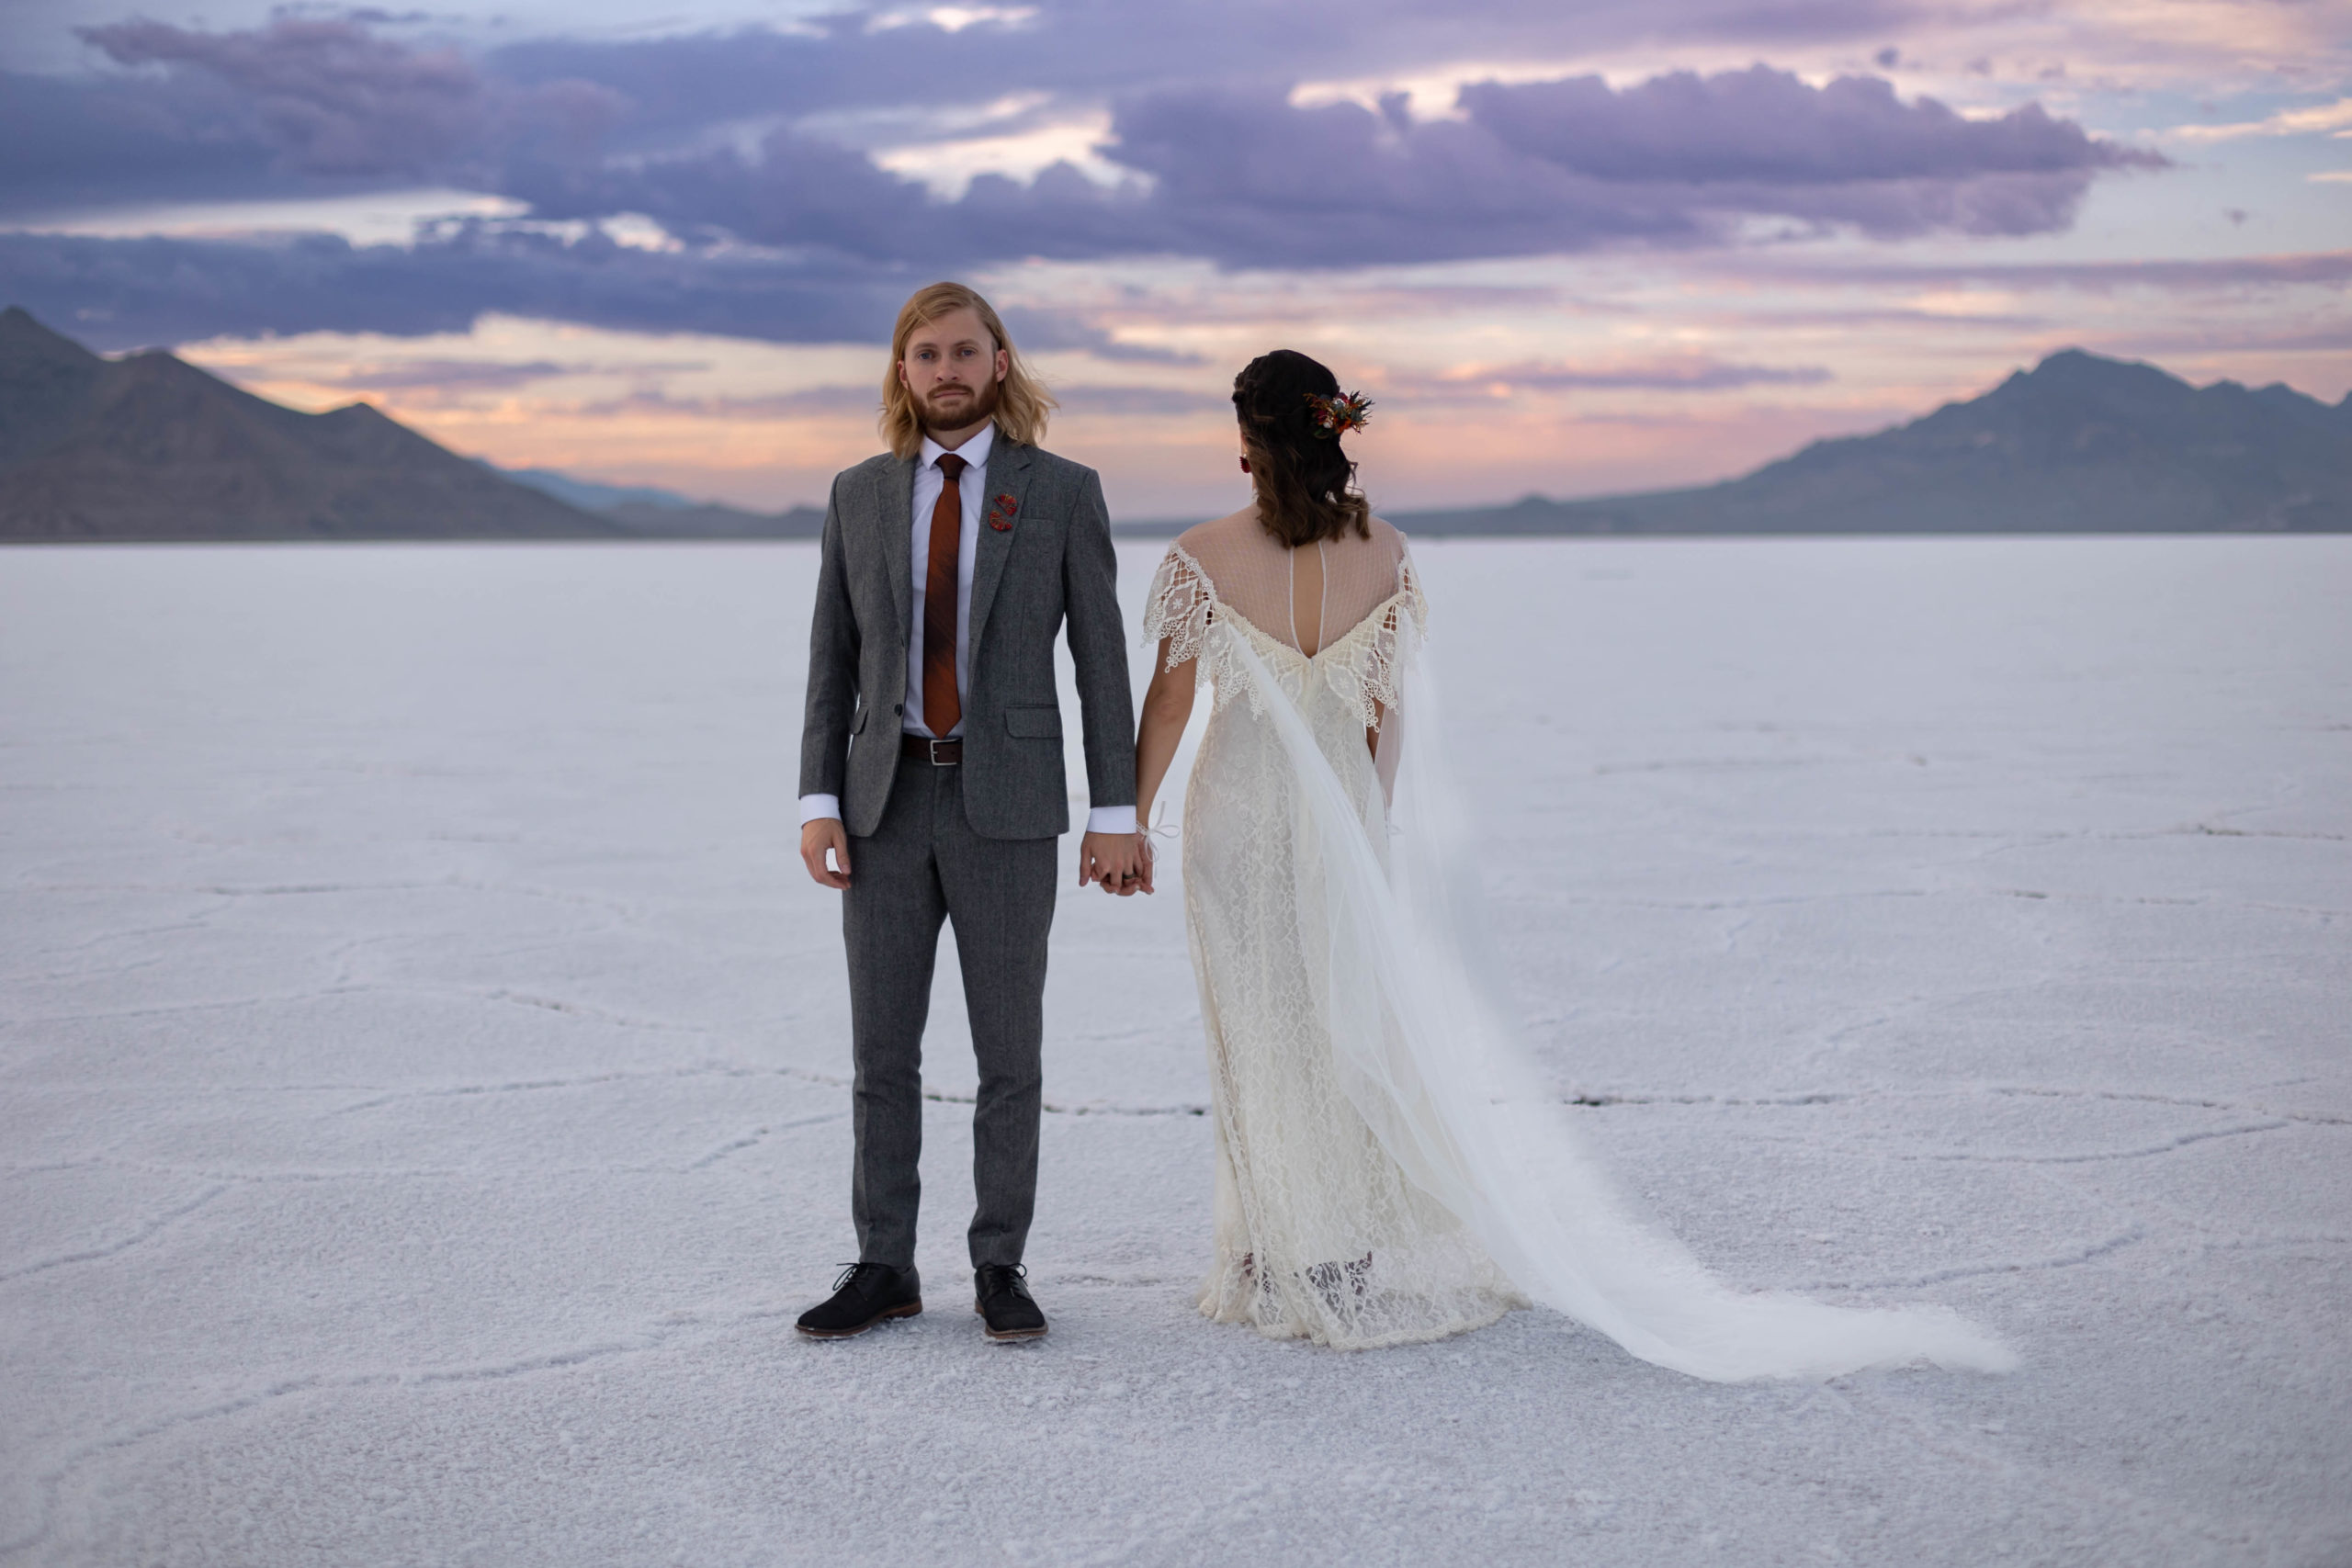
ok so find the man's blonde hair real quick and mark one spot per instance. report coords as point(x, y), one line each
point(1023, 402)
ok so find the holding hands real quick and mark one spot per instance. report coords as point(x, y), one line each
point(1120, 862)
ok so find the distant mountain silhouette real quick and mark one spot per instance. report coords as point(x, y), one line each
point(2079, 444)
point(151, 448)
point(665, 515)
point(713, 520)
point(589, 495)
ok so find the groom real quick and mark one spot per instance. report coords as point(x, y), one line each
point(931, 772)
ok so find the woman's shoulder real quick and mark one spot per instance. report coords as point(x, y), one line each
point(1389, 544)
point(1206, 536)
point(1184, 593)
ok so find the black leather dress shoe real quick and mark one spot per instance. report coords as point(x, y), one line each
point(1000, 1296)
point(864, 1296)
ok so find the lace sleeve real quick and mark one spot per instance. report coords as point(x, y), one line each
point(1408, 588)
point(1179, 607)
point(1370, 677)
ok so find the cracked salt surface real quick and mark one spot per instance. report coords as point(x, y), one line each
point(422, 1091)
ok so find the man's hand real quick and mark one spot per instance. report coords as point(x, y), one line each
point(1115, 860)
point(816, 838)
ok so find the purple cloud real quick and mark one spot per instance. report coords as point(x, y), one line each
point(121, 294)
point(1761, 141)
point(2293, 269)
point(1246, 178)
point(1249, 179)
point(137, 293)
point(1696, 372)
point(1089, 51)
point(794, 191)
point(330, 99)
point(329, 96)
point(1237, 175)
point(1556, 166)
point(1767, 128)
point(66, 145)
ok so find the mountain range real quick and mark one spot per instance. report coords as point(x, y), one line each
point(150, 447)
point(656, 514)
point(2078, 445)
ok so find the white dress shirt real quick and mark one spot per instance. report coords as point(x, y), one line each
point(972, 489)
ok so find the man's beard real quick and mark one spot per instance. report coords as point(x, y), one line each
point(964, 412)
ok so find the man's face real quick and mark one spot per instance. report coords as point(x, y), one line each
point(954, 369)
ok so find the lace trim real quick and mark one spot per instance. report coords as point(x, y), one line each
point(1363, 668)
point(1183, 608)
point(1369, 677)
point(1178, 607)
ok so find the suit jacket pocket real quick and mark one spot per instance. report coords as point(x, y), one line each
point(1033, 723)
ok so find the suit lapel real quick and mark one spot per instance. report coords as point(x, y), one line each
point(1008, 475)
point(898, 502)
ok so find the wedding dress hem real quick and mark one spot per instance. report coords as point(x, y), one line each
point(1372, 1099)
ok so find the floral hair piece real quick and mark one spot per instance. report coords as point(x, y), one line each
point(1337, 416)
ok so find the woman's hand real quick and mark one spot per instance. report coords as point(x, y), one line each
point(1112, 860)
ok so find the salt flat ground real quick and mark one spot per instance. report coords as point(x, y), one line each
point(421, 1064)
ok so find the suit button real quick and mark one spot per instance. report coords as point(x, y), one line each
point(898, 708)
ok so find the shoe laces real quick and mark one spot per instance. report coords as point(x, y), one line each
point(852, 1270)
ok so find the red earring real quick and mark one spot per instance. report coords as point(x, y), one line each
point(1245, 465)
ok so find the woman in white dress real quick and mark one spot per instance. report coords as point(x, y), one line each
point(1387, 1169)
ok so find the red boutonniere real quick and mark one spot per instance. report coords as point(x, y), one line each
point(1002, 520)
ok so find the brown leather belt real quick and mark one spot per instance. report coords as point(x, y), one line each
point(938, 753)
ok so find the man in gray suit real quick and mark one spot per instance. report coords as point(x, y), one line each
point(931, 773)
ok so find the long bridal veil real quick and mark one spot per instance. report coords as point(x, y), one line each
point(1426, 1052)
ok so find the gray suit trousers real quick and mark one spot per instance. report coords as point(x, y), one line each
point(922, 865)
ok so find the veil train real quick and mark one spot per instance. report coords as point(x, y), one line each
point(1426, 1052)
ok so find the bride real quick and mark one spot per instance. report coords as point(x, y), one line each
point(1388, 1169)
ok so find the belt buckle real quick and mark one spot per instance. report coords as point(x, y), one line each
point(936, 760)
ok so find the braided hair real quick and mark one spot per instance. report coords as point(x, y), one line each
point(1305, 482)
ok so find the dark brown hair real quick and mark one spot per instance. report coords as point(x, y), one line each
point(1306, 484)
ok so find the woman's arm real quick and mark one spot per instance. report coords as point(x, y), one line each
point(1167, 708)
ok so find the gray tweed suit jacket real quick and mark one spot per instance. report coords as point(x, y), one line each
point(1053, 562)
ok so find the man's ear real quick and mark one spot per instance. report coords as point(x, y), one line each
point(1003, 363)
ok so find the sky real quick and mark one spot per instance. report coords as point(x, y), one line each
point(1568, 248)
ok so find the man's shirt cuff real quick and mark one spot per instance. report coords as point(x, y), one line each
point(1111, 819)
point(817, 807)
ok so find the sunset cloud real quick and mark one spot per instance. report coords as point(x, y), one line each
point(2320, 119)
point(1571, 248)
point(1687, 373)
point(128, 293)
point(135, 293)
point(1242, 175)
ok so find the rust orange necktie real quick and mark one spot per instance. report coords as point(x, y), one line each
point(942, 707)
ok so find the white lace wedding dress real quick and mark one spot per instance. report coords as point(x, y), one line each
point(1388, 1169)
